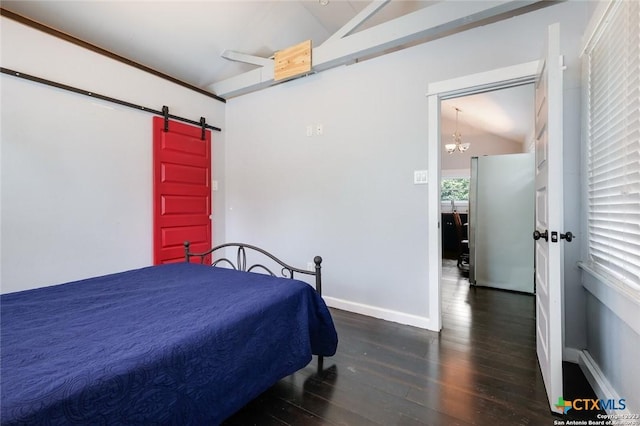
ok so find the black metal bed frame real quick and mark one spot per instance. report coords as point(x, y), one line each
point(287, 271)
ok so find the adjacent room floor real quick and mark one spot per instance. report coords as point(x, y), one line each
point(481, 369)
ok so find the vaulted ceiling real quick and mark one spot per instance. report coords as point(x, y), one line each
point(185, 39)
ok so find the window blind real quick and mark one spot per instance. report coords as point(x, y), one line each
point(614, 145)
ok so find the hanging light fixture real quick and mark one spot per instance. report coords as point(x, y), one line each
point(457, 139)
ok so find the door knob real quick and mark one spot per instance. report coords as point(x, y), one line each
point(568, 236)
point(537, 235)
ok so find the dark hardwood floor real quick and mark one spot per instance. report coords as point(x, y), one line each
point(481, 369)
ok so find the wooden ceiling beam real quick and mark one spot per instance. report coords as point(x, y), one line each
point(440, 20)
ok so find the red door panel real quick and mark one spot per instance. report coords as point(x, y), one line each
point(181, 190)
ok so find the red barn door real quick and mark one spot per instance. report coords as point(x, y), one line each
point(181, 190)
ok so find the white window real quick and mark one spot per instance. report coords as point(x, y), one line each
point(613, 72)
point(456, 189)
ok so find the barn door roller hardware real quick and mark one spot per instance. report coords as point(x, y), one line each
point(165, 113)
point(203, 125)
point(94, 95)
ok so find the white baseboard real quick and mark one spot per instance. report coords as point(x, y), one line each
point(598, 381)
point(381, 313)
point(571, 355)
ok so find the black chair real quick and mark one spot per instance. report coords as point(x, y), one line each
point(463, 242)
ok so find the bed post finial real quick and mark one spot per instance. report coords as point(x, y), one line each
point(186, 251)
point(318, 260)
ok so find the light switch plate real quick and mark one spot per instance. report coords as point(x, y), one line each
point(420, 177)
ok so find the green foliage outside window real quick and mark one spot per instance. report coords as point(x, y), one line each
point(456, 189)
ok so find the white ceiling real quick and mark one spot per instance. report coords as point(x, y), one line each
point(184, 39)
point(508, 113)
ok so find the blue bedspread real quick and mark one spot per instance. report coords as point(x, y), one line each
point(172, 344)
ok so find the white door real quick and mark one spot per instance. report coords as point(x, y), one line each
point(549, 218)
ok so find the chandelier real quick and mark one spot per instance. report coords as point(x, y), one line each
point(457, 139)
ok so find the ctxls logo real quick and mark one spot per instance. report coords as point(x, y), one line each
point(564, 405)
point(591, 404)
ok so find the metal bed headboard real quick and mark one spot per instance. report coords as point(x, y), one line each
point(240, 264)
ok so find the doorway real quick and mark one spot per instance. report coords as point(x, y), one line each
point(503, 78)
point(487, 180)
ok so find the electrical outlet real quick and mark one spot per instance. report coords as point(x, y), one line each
point(309, 130)
point(311, 266)
point(319, 130)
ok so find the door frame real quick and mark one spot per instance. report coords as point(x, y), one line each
point(500, 78)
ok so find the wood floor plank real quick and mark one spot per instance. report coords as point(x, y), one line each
point(322, 402)
point(422, 367)
point(380, 407)
point(426, 375)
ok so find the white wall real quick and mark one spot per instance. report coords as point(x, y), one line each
point(76, 172)
point(340, 195)
point(349, 194)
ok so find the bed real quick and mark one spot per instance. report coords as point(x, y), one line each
point(181, 343)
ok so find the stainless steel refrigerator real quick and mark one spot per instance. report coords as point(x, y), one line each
point(501, 221)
